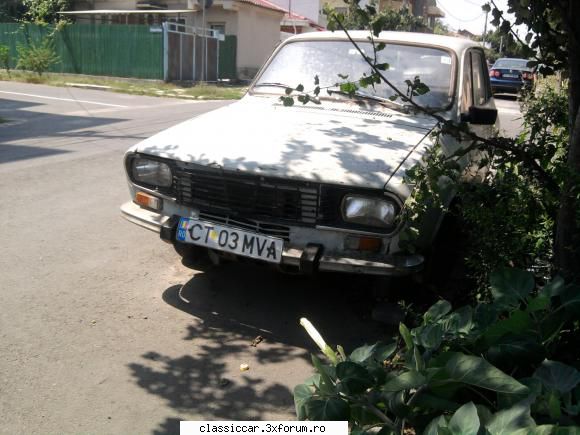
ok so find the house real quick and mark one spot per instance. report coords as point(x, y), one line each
point(421, 8)
point(255, 23)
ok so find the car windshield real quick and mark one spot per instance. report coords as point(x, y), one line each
point(339, 61)
point(512, 63)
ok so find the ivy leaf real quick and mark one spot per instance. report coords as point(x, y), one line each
point(557, 376)
point(363, 353)
point(316, 80)
point(406, 334)
point(510, 286)
point(302, 394)
point(304, 99)
point(331, 409)
point(433, 428)
point(476, 371)
point(405, 381)
point(436, 311)
point(287, 101)
point(316, 91)
point(288, 91)
point(344, 77)
point(353, 377)
point(465, 421)
point(508, 421)
point(300, 88)
point(486, 8)
point(380, 46)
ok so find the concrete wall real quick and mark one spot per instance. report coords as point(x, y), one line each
point(258, 35)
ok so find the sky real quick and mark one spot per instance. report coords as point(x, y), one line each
point(467, 14)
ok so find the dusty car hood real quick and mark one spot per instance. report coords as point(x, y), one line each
point(335, 142)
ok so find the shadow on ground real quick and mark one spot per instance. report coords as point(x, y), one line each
point(25, 121)
point(230, 306)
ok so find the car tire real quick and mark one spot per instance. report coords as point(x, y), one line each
point(446, 271)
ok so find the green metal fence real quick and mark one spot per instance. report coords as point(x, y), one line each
point(107, 50)
point(227, 60)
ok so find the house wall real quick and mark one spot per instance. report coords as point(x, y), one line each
point(216, 15)
point(306, 8)
point(258, 35)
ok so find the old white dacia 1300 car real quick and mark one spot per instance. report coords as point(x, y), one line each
point(310, 187)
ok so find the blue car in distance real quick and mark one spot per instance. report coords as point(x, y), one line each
point(510, 75)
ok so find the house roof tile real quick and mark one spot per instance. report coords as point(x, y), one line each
point(264, 4)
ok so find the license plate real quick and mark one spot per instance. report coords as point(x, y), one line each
point(228, 239)
point(511, 76)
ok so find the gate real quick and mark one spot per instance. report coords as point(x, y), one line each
point(190, 53)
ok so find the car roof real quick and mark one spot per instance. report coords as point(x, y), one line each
point(512, 58)
point(456, 44)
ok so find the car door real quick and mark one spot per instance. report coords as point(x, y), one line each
point(476, 92)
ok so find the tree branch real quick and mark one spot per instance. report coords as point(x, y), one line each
point(500, 143)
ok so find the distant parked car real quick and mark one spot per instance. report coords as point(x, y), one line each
point(510, 75)
point(312, 187)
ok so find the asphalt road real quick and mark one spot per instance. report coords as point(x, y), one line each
point(102, 328)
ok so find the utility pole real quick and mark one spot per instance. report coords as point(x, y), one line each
point(485, 29)
point(501, 45)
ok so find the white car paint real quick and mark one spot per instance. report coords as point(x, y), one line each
point(340, 142)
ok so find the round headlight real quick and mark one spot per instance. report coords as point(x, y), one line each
point(151, 172)
point(374, 212)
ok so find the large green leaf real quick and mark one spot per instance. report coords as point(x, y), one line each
point(363, 353)
point(465, 421)
point(516, 350)
point(518, 323)
point(406, 334)
point(510, 286)
point(326, 384)
point(385, 351)
point(302, 394)
point(476, 371)
point(353, 377)
point(429, 336)
point(405, 381)
point(434, 426)
point(508, 421)
point(557, 376)
point(331, 409)
point(437, 310)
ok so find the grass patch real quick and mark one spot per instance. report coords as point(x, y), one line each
point(152, 88)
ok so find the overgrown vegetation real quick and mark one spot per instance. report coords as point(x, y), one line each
point(502, 365)
point(498, 368)
point(37, 56)
point(5, 58)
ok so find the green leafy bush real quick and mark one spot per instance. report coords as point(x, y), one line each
point(493, 369)
point(37, 57)
point(5, 57)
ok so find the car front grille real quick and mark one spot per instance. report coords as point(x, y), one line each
point(267, 229)
point(240, 196)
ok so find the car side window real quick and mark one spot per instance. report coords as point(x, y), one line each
point(479, 79)
point(467, 97)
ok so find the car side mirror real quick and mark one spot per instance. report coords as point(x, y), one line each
point(480, 115)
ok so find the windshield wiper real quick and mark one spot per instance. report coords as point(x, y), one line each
point(385, 101)
point(272, 84)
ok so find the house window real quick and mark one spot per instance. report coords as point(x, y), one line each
point(174, 27)
point(218, 27)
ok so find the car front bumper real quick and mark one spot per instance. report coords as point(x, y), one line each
point(306, 260)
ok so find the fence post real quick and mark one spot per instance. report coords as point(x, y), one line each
point(165, 52)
